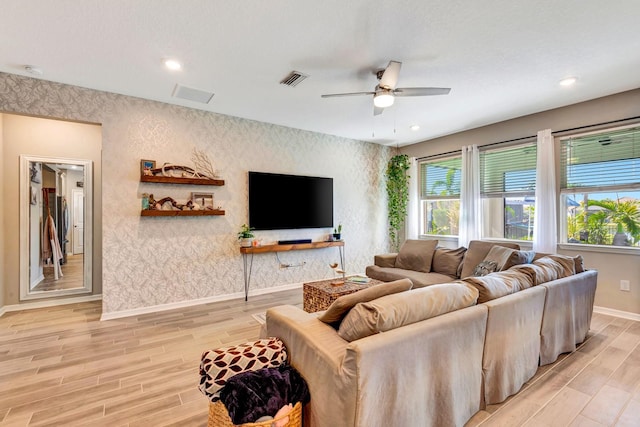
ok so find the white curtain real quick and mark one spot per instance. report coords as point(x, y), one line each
point(470, 205)
point(544, 225)
point(413, 208)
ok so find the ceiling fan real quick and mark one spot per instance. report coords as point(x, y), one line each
point(386, 91)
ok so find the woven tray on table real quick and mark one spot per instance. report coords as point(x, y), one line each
point(219, 417)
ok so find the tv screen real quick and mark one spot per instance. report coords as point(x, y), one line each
point(278, 202)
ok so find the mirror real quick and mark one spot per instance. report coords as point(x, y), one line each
point(56, 200)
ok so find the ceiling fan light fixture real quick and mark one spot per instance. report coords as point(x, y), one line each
point(383, 99)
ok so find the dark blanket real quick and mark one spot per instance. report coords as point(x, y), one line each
point(253, 394)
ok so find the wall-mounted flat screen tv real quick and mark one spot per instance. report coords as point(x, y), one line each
point(279, 202)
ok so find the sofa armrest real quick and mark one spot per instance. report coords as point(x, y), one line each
point(385, 260)
point(316, 350)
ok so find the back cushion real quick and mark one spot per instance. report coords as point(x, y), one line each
point(416, 255)
point(339, 308)
point(540, 273)
point(394, 311)
point(565, 265)
point(476, 253)
point(446, 261)
point(500, 284)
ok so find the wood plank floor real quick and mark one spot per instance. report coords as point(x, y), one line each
point(62, 366)
point(73, 275)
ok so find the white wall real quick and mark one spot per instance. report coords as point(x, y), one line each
point(612, 267)
point(153, 261)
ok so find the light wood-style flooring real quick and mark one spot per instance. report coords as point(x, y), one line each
point(73, 275)
point(63, 366)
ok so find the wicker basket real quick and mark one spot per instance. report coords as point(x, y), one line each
point(219, 417)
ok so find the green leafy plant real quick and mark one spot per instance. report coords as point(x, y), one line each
point(338, 229)
point(397, 196)
point(245, 232)
point(625, 215)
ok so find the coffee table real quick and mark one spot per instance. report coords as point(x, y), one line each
point(319, 295)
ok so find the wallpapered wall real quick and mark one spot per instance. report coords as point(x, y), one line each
point(155, 261)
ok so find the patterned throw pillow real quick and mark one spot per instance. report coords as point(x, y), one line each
point(484, 268)
point(217, 366)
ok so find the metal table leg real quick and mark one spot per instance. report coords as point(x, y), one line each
point(247, 260)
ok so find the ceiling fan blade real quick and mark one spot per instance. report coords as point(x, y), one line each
point(389, 78)
point(334, 95)
point(377, 110)
point(421, 91)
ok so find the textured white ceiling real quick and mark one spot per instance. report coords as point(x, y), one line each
point(502, 58)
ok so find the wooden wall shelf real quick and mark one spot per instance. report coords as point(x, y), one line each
point(180, 180)
point(291, 247)
point(153, 212)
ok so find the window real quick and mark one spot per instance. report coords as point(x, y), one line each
point(440, 196)
point(508, 189)
point(600, 187)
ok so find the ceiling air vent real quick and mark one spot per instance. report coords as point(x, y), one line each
point(293, 79)
point(190, 94)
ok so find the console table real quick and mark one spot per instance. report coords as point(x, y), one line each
point(248, 252)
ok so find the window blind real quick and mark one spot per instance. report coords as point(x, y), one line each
point(608, 160)
point(508, 172)
point(440, 179)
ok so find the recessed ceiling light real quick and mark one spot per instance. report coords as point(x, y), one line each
point(172, 64)
point(32, 69)
point(568, 81)
point(414, 127)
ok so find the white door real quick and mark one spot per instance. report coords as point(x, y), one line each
point(78, 220)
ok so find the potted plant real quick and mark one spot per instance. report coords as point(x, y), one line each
point(245, 236)
point(337, 232)
point(397, 196)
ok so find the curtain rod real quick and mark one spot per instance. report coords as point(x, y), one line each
point(508, 141)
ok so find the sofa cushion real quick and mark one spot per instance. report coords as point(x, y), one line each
point(505, 258)
point(416, 255)
point(419, 279)
point(339, 308)
point(565, 265)
point(496, 285)
point(446, 261)
point(579, 263)
point(397, 310)
point(540, 273)
point(477, 251)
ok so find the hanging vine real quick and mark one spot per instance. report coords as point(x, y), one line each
point(397, 196)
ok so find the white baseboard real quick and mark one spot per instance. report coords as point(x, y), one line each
point(616, 313)
point(182, 304)
point(48, 303)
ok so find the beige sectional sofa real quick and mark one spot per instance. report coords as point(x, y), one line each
point(435, 355)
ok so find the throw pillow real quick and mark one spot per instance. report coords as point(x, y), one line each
point(505, 258)
point(476, 252)
point(397, 310)
point(416, 255)
point(447, 261)
point(484, 268)
point(341, 306)
point(217, 366)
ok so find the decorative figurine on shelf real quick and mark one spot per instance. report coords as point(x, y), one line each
point(145, 201)
point(335, 268)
